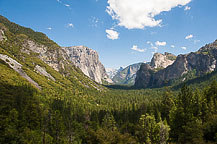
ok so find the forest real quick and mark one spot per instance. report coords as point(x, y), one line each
point(158, 116)
point(67, 111)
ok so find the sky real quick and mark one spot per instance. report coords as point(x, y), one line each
point(123, 32)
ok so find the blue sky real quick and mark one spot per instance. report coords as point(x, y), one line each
point(123, 32)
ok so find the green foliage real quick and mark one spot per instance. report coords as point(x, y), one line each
point(36, 36)
point(152, 132)
point(70, 110)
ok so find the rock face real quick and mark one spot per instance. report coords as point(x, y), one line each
point(127, 75)
point(83, 57)
point(159, 61)
point(88, 61)
point(185, 67)
point(43, 71)
point(55, 58)
point(18, 68)
point(162, 60)
point(111, 72)
point(143, 76)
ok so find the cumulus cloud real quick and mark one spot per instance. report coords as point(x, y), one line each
point(70, 25)
point(112, 34)
point(140, 13)
point(67, 5)
point(59, 1)
point(158, 43)
point(155, 48)
point(184, 48)
point(135, 48)
point(189, 36)
point(49, 28)
point(187, 8)
point(64, 4)
point(172, 46)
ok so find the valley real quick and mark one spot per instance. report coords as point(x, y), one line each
point(63, 95)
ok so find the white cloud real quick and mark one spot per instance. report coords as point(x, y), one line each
point(70, 25)
point(67, 5)
point(59, 1)
point(184, 48)
point(112, 34)
point(148, 42)
point(172, 46)
point(189, 36)
point(135, 48)
point(158, 43)
point(140, 13)
point(155, 48)
point(49, 28)
point(187, 8)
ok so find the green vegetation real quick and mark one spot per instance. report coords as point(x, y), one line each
point(70, 110)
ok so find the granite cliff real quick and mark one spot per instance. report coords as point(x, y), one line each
point(185, 67)
point(87, 60)
point(128, 74)
point(160, 61)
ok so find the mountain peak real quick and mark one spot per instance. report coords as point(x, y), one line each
point(87, 60)
point(162, 60)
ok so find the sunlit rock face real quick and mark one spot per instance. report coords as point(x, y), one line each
point(88, 61)
point(195, 63)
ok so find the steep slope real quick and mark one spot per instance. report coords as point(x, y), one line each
point(184, 68)
point(40, 56)
point(127, 75)
point(87, 60)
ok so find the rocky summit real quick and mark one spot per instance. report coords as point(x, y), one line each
point(127, 75)
point(87, 60)
point(185, 67)
point(162, 60)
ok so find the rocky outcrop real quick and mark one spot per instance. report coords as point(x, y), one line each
point(127, 75)
point(159, 61)
point(87, 60)
point(162, 60)
point(82, 57)
point(18, 68)
point(185, 67)
point(143, 76)
point(55, 58)
point(2, 34)
point(43, 71)
point(111, 72)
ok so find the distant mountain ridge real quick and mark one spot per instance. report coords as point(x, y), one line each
point(128, 75)
point(111, 72)
point(185, 67)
